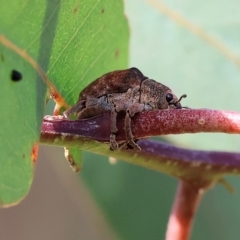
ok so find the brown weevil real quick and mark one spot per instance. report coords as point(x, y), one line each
point(123, 90)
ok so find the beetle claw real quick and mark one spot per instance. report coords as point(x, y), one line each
point(133, 145)
point(113, 142)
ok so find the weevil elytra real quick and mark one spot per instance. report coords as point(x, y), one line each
point(123, 90)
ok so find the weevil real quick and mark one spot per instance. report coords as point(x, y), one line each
point(123, 90)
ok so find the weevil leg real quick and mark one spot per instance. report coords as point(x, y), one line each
point(121, 102)
point(74, 109)
point(113, 128)
point(129, 135)
point(132, 110)
point(118, 104)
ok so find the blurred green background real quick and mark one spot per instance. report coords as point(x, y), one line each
point(131, 202)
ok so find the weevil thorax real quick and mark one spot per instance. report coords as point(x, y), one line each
point(157, 95)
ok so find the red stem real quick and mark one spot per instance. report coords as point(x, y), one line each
point(196, 169)
point(154, 123)
point(184, 208)
point(182, 163)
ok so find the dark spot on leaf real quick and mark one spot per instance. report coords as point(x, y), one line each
point(116, 54)
point(34, 152)
point(103, 10)
point(75, 9)
point(23, 156)
point(16, 76)
point(2, 58)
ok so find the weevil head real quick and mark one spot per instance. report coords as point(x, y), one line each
point(170, 101)
point(159, 96)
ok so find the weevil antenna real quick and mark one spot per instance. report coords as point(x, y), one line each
point(183, 96)
point(175, 103)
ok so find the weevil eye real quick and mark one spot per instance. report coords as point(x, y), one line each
point(169, 97)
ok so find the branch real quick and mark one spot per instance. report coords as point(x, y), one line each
point(186, 202)
point(197, 170)
point(188, 165)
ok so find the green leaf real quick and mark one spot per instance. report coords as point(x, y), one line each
point(73, 42)
point(21, 107)
point(20, 126)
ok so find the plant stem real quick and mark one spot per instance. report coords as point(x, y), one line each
point(181, 163)
point(197, 170)
point(154, 123)
point(184, 208)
